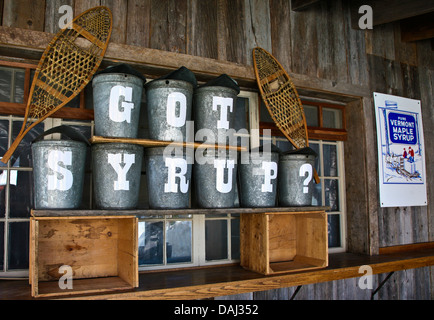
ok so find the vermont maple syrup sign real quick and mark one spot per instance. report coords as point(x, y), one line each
point(401, 151)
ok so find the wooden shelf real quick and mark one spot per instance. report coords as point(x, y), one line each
point(159, 143)
point(227, 280)
point(156, 212)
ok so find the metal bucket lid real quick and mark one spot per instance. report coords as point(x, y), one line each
point(117, 77)
point(307, 151)
point(222, 81)
point(182, 74)
point(121, 68)
point(169, 83)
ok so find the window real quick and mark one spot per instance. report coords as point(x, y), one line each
point(326, 123)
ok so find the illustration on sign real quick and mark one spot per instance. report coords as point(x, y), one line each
point(400, 150)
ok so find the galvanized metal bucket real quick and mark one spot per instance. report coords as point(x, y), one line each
point(296, 181)
point(116, 102)
point(169, 104)
point(258, 180)
point(215, 179)
point(213, 111)
point(116, 169)
point(168, 172)
point(58, 173)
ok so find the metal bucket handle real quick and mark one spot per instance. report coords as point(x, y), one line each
point(67, 131)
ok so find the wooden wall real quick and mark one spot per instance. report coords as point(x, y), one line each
point(319, 43)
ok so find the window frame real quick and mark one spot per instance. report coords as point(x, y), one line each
point(19, 109)
point(318, 132)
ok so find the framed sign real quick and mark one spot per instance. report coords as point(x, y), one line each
point(401, 151)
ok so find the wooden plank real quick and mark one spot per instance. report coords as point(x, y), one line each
point(235, 280)
point(406, 247)
point(231, 31)
point(282, 238)
point(127, 258)
point(83, 286)
point(120, 14)
point(93, 214)
point(81, 6)
point(25, 43)
point(177, 25)
point(138, 23)
point(254, 242)
point(215, 281)
point(405, 52)
point(25, 14)
point(357, 63)
point(167, 25)
point(202, 31)
point(87, 245)
point(258, 25)
point(298, 5)
point(281, 36)
point(304, 25)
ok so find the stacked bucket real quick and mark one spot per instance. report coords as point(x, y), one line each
point(169, 169)
point(220, 176)
point(116, 167)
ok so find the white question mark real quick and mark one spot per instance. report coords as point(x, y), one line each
point(303, 169)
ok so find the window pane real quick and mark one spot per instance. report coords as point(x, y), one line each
point(178, 243)
point(23, 154)
point(4, 129)
point(330, 160)
point(216, 244)
point(151, 242)
point(74, 103)
point(20, 191)
point(18, 249)
point(19, 86)
point(2, 246)
point(334, 234)
point(311, 114)
point(3, 177)
point(284, 145)
point(331, 194)
point(240, 111)
point(332, 118)
point(235, 238)
point(315, 147)
point(316, 195)
point(264, 115)
point(5, 84)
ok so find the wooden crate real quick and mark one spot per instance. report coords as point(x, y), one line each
point(101, 250)
point(278, 242)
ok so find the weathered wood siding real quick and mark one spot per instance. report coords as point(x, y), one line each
point(317, 42)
